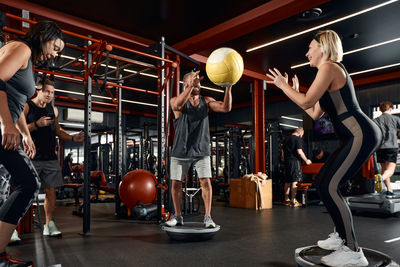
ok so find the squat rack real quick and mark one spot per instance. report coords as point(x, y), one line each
point(168, 73)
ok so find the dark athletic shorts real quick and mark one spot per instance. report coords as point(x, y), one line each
point(293, 171)
point(387, 155)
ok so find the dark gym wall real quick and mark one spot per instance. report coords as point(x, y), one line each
point(389, 91)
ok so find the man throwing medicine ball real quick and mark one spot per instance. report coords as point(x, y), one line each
point(192, 142)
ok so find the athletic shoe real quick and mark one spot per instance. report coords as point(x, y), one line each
point(333, 242)
point(7, 261)
point(174, 221)
point(208, 222)
point(295, 204)
point(14, 238)
point(51, 230)
point(390, 194)
point(345, 257)
point(286, 202)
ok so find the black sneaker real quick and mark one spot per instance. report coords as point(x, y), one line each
point(7, 261)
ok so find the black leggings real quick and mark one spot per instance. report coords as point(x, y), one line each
point(19, 172)
point(359, 139)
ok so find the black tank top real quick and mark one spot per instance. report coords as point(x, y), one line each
point(43, 137)
point(192, 132)
point(342, 104)
point(19, 88)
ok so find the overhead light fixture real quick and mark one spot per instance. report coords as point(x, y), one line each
point(290, 118)
point(67, 78)
point(68, 57)
point(353, 51)
point(209, 88)
point(288, 125)
point(374, 69)
point(139, 103)
point(321, 26)
point(106, 97)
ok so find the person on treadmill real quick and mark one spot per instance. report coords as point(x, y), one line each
point(388, 150)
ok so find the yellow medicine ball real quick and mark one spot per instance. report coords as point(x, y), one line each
point(224, 66)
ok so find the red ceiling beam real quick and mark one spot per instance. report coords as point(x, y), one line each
point(255, 19)
point(84, 25)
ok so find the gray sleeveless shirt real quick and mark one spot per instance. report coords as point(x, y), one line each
point(19, 88)
point(192, 132)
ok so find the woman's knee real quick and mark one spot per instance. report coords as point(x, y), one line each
point(30, 186)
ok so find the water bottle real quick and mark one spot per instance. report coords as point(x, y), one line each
point(378, 183)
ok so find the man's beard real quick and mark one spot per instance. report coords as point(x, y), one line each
point(196, 91)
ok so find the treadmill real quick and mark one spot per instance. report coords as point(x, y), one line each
point(376, 202)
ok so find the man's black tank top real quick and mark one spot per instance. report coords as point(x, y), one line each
point(43, 137)
point(192, 132)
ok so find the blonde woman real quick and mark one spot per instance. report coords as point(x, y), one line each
point(332, 91)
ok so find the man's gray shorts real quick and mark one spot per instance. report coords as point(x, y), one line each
point(49, 172)
point(179, 167)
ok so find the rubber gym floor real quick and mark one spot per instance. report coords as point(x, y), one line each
point(247, 238)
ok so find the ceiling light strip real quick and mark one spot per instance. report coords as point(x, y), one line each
point(353, 51)
point(290, 118)
point(287, 125)
point(321, 26)
point(107, 97)
point(209, 88)
point(371, 46)
point(139, 103)
point(374, 69)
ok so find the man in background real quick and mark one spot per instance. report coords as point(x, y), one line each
point(42, 120)
point(292, 154)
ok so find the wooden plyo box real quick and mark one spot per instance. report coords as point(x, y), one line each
point(244, 194)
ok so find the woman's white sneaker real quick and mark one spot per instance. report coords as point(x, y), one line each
point(345, 257)
point(333, 242)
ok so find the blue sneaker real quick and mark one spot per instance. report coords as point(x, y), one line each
point(390, 194)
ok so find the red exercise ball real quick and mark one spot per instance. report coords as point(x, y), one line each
point(138, 186)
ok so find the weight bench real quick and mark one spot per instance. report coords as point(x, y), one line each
point(75, 187)
point(304, 189)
